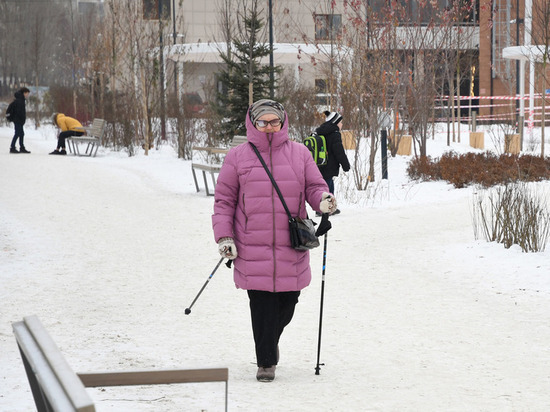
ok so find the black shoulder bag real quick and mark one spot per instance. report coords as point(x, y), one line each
point(302, 231)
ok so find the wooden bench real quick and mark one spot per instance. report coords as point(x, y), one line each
point(55, 387)
point(92, 139)
point(212, 168)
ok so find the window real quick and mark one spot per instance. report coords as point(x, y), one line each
point(321, 86)
point(89, 9)
point(151, 9)
point(328, 26)
point(422, 12)
point(322, 94)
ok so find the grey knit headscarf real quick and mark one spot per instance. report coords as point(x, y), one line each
point(266, 106)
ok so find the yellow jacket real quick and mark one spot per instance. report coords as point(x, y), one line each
point(66, 123)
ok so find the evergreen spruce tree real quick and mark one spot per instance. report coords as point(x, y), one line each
point(242, 68)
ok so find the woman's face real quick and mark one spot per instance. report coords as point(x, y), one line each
point(268, 123)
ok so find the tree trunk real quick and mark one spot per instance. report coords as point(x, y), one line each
point(37, 102)
point(144, 113)
point(543, 122)
point(458, 114)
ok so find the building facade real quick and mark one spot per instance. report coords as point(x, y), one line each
point(308, 35)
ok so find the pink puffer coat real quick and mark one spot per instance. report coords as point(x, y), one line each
point(248, 209)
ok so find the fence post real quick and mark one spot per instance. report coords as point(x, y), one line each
point(521, 120)
point(384, 147)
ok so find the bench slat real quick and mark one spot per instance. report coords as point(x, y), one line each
point(63, 389)
point(56, 388)
point(153, 377)
point(212, 168)
point(207, 167)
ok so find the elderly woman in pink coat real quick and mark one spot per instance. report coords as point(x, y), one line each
point(251, 226)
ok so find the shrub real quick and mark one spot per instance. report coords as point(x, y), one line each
point(512, 214)
point(485, 169)
point(423, 168)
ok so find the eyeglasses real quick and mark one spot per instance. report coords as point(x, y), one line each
point(264, 123)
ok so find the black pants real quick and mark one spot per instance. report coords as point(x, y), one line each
point(63, 135)
point(19, 134)
point(270, 312)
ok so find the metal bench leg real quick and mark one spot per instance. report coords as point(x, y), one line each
point(205, 183)
point(195, 179)
point(226, 395)
point(90, 146)
point(213, 181)
point(40, 400)
point(72, 146)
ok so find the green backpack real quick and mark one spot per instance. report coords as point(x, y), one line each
point(317, 145)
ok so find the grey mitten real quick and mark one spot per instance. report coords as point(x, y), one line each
point(227, 248)
point(328, 203)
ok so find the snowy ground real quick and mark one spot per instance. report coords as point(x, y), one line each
point(419, 316)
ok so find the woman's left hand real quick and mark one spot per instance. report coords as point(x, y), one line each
point(328, 203)
point(227, 248)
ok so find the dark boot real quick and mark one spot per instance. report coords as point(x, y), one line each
point(55, 152)
point(266, 374)
point(13, 150)
point(23, 150)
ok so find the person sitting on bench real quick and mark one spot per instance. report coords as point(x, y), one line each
point(69, 127)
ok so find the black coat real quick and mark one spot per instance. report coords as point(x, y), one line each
point(19, 111)
point(336, 153)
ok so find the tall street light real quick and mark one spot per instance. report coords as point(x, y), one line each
point(162, 92)
point(271, 74)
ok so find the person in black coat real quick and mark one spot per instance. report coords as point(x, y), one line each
point(18, 117)
point(336, 154)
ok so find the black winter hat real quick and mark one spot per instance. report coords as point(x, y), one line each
point(333, 117)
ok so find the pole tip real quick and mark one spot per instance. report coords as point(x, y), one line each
point(187, 311)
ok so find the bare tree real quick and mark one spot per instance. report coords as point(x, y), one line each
point(33, 40)
point(541, 37)
point(300, 105)
point(38, 50)
point(135, 69)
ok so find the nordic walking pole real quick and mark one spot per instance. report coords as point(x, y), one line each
point(318, 367)
point(324, 226)
point(188, 310)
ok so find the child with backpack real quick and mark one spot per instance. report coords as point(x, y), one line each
point(332, 156)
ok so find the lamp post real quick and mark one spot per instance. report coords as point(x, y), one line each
point(520, 117)
point(161, 69)
point(271, 69)
point(174, 38)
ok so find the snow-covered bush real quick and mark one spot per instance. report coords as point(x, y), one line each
point(513, 214)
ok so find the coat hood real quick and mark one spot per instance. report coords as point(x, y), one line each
point(19, 95)
point(327, 128)
point(262, 140)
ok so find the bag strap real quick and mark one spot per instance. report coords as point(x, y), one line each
point(272, 180)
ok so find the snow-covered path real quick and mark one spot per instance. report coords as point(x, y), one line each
point(109, 251)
